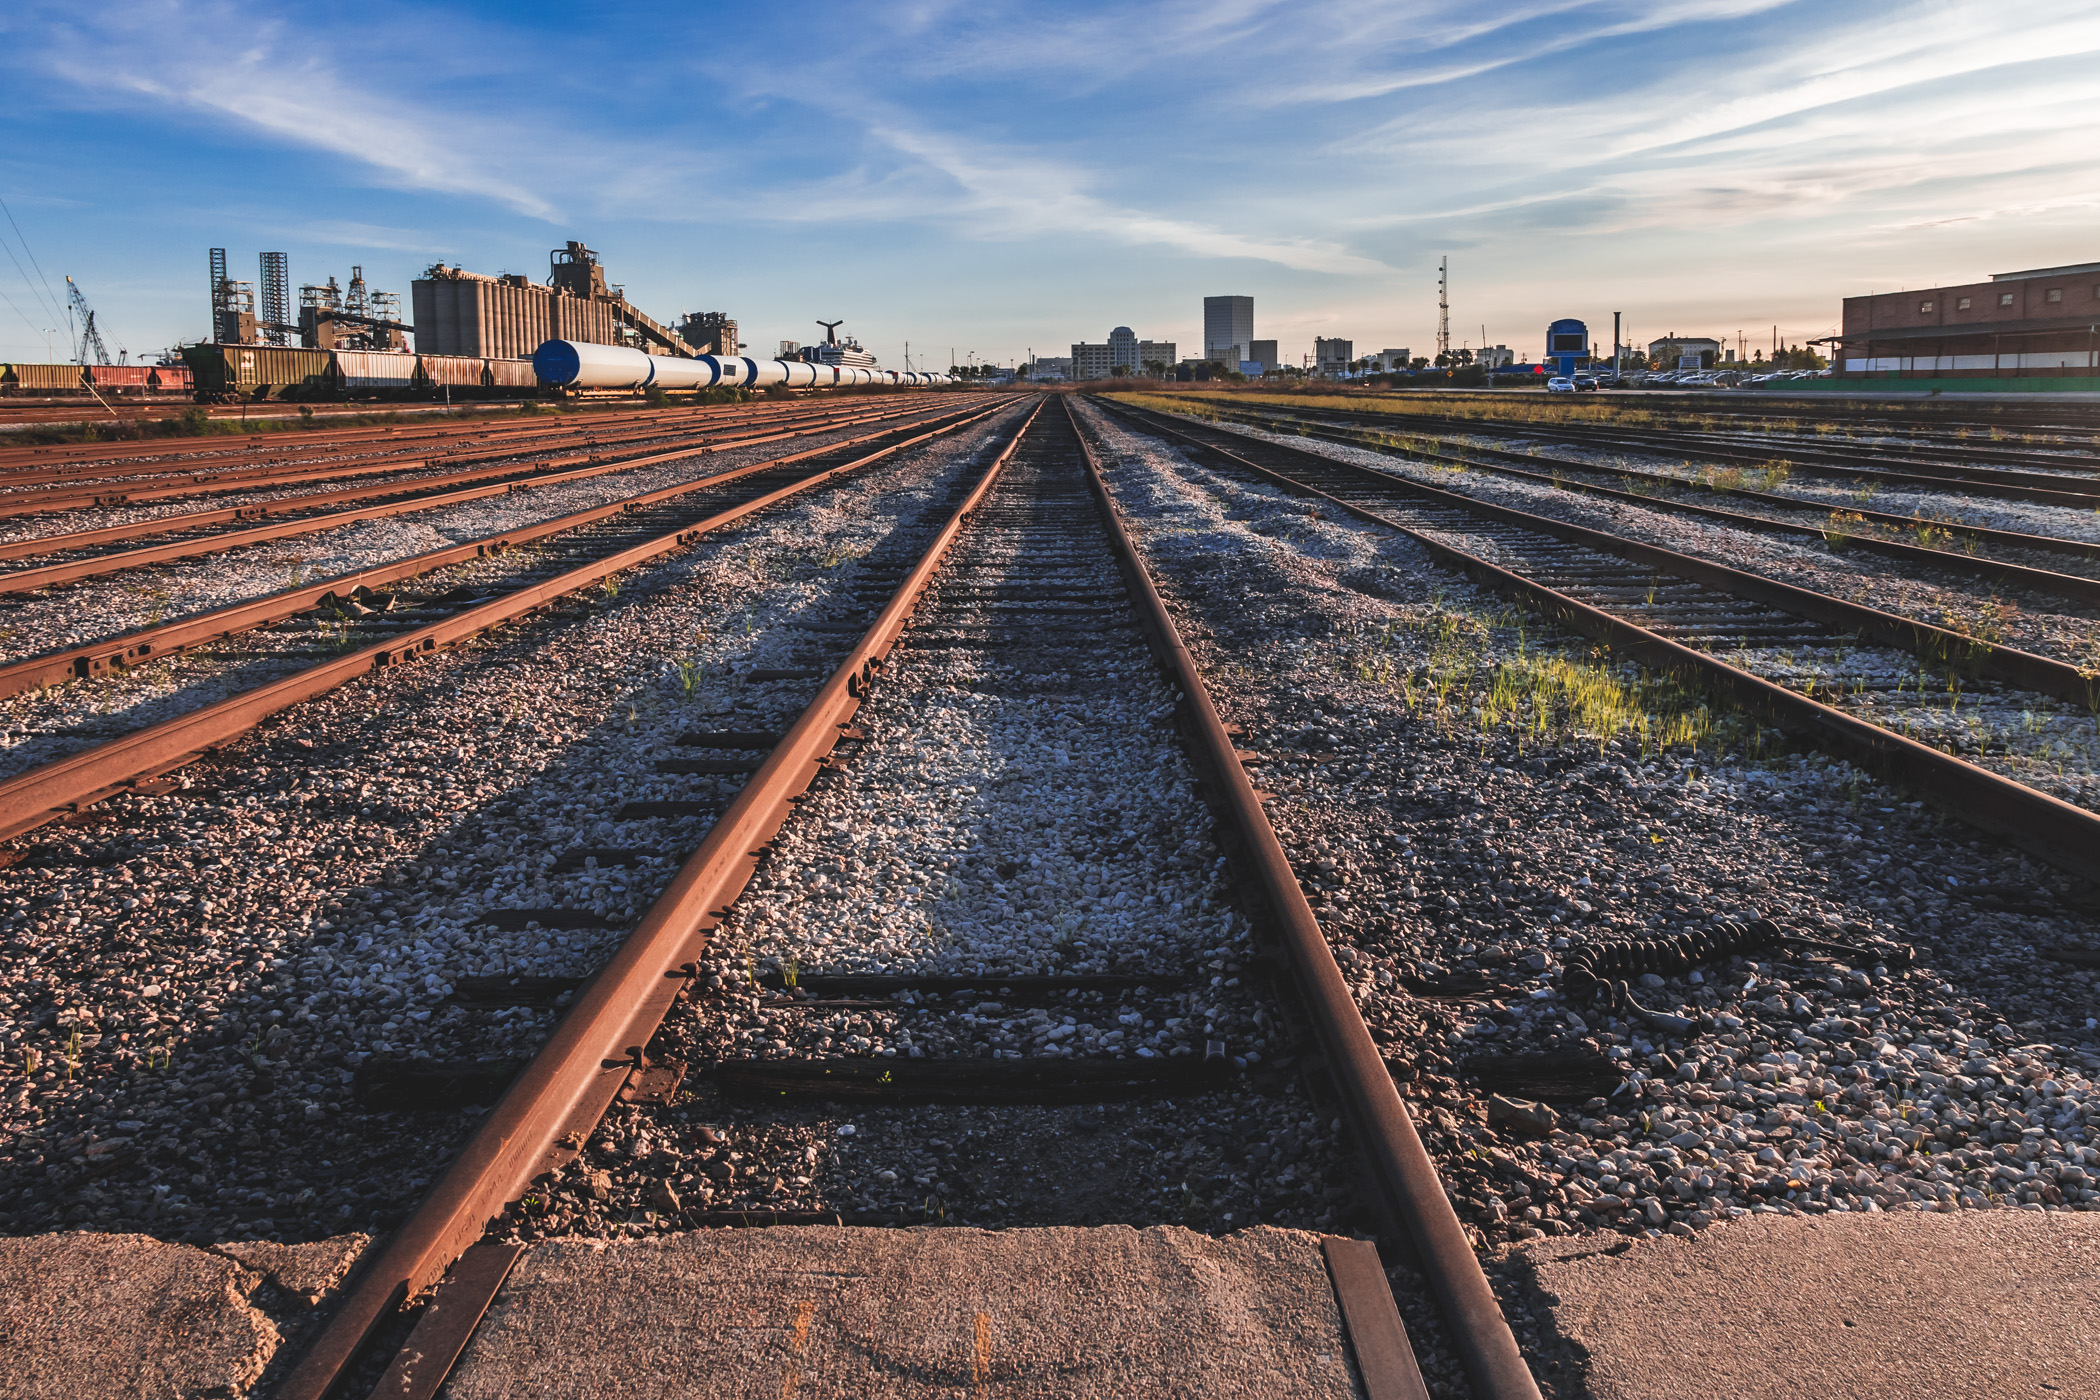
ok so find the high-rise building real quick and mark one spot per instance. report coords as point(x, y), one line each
point(1264, 351)
point(1123, 348)
point(1228, 329)
point(1332, 357)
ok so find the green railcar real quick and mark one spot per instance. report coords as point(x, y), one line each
point(226, 373)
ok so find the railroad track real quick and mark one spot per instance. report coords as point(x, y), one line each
point(1844, 527)
point(1920, 425)
point(1033, 592)
point(2063, 488)
point(23, 492)
point(1804, 660)
point(575, 552)
point(87, 457)
point(98, 553)
point(342, 596)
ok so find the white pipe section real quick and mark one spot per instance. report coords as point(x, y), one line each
point(580, 365)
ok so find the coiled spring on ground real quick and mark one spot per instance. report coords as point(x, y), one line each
point(1600, 971)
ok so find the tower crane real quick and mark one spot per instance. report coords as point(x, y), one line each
point(90, 338)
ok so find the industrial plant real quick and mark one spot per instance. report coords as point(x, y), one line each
point(473, 336)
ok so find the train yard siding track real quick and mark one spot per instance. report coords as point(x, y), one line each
point(196, 537)
point(338, 592)
point(1579, 577)
point(2073, 485)
point(632, 533)
point(1036, 538)
point(134, 488)
point(2071, 452)
point(1842, 523)
point(2065, 681)
point(122, 457)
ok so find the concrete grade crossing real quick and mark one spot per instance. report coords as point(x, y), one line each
point(788, 1313)
point(1906, 1306)
point(818, 1313)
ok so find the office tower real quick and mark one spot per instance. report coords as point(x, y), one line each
point(1228, 329)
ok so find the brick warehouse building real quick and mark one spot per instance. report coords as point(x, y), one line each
point(2041, 324)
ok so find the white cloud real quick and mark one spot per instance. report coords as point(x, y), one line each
point(245, 69)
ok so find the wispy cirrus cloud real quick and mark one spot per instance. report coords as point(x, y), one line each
point(244, 69)
point(1008, 195)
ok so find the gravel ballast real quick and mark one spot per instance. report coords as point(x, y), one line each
point(1448, 856)
point(197, 979)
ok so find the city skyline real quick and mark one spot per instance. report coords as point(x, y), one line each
point(1748, 162)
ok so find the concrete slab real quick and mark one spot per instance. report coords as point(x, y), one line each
point(306, 1272)
point(86, 1316)
point(856, 1314)
point(1991, 1304)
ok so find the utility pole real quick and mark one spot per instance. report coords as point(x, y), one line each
point(1443, 310)
point(1616, 357)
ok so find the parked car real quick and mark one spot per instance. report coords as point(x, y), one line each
point(1560, 384)
point(1585, 383)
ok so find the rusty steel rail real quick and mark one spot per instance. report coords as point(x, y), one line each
point(108, 769)
point(556, 1102)
point(170, 638)
point(102, 565)
point(2066, 836)
point(1982, 534)
point(1411, 1192)
point(515, 474)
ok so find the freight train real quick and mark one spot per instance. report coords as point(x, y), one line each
point(19, 378)
point(570, 364)
point(234, 373)
point(230, 373)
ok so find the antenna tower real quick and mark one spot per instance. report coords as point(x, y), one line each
point(1443, 309)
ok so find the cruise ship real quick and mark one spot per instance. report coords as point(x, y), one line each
point(845, 353)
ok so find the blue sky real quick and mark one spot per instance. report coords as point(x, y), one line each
point(998, 177)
